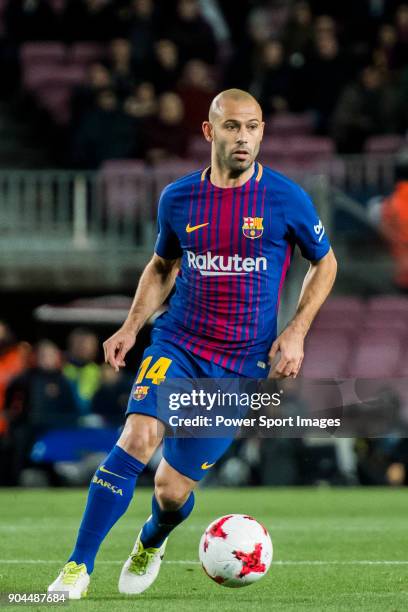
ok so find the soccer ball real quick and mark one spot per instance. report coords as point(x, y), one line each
point(235, 550)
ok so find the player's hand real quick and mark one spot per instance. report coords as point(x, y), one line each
point(117, 346)
point(286, 354)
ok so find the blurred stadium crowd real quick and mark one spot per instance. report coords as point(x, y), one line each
point(44, 388)
point(134, 78)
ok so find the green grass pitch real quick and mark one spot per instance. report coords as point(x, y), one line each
point(334, 549)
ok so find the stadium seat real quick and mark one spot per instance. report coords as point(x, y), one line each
point(403, 366)
point(36, 77)
point(327, 353)
point(287, 168)
point(86, 52)
point(305, 151)
point(376, 354)
point(388, 303)
point(318, 146)
point(289, 124)
point(199, 149)
point(33, 53)
point(57, 101)
point(378, 319)
point(166, 172)
point(345, 305)
point(336, 320)
point(277, 147)
point(340, 313)
point(386, 143)
point(295, 168)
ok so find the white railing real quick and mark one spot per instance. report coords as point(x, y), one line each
point(115, 209)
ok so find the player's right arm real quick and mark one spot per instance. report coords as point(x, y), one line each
point(154, 287)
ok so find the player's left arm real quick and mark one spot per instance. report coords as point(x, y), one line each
point(317, 285)
point(305, 229)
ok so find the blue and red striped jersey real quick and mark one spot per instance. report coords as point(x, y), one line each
point(235, 245)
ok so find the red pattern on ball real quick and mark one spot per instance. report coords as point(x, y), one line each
point(251, 562)
point(216, 531)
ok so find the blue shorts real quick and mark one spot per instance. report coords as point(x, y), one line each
point(191, 456)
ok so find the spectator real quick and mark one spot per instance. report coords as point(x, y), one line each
point(386, 54)
point(325, 66)
point(141, 30)
point(111, 399)
point(164, 69)
point(239, 70)
point(397, 471)
point(236, 15)
point(13, 360)
point(89, 20)
point(274, 79)
point(192, 34)
point(106, 132)
point(394, 224)
point(366, 107)
point(357, 23)
point(167, 136)
point(37, 400)
point(142, 104)
point(196, 91)
point(84, 96)
point(324, 25)
point(373, 461)
point(298, 33)
point(120, 67)
point(81, 368)
point(401, 24)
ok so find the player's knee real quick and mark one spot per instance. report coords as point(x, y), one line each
point(140, 439)
point(170, 495)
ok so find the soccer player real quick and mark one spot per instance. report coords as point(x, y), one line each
point(226, 236)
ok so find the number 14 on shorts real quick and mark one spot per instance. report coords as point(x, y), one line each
point(155, 372)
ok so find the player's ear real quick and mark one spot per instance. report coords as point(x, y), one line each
point(262, 129)
point(207, 131)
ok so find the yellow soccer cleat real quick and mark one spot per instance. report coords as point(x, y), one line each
point(141, 569)
point(73, 579)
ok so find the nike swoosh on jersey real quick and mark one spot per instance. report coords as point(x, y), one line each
point(190, 229)
point(207, 466)
point(103, 469)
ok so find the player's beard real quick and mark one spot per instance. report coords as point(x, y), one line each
point(227, 161)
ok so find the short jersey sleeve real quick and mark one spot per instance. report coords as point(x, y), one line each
point(305, 227)
point(167, 243)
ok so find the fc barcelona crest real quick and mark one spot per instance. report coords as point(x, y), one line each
point(252, 227)
point(140, 392)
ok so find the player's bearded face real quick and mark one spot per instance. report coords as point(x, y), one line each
point(237, 138)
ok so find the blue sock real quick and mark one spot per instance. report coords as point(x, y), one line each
point(162, 522)
point(109, 496)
